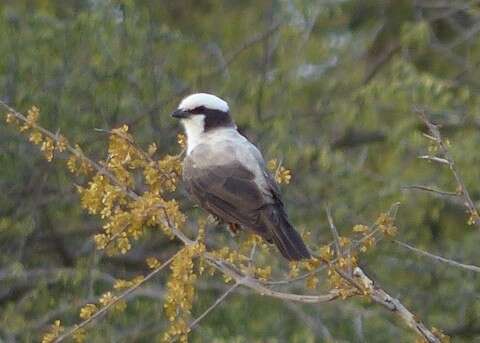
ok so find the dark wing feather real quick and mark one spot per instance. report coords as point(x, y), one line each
point(230, 192)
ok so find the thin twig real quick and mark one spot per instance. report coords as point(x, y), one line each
point(215, 304)
point(462, 189)
point(432, 190)
point(104, 309)
point(439, 258)
point(333, 229)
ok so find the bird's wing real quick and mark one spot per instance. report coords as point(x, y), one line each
point(229, 191)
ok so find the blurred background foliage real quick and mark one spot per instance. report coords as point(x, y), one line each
point(328, 87)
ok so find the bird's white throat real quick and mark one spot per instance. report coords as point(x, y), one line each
point(194, 129)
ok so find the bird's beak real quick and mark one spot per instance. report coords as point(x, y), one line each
point(180, 114)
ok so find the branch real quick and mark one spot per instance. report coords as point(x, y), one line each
point(436, 136)
point(378, 295)
point(359, 281)
point(430, 189)
point(215, 304)
point(104, 309)
point(394, 305)
point(333, 229)
point(438, 258)
point(258, 287)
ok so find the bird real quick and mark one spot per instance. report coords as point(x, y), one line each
point(225, 174)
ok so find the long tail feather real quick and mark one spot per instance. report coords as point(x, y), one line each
point(284, 236)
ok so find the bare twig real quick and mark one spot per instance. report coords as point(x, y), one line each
point(439, 258)
point(430, 189)
point(447, 159)
point(122, 296)
point(434, 159)
point(215, 304)
point(314, 323)
point(333, 229)
point(248, 43)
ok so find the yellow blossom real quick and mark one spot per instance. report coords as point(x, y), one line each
point(283, 175)
point(312, 282)
point(152, 148)
point(344, 241)
point(11, 118)
point(272, 165)
point(326, 253)
point(48, 147)
point(61, 143)
point(101, 241)
point(153, 262)
point(53, 332)
point(263, 273)
point(181, 291)
point(79, 336)
point(182, 140)
point(360, 228)
point(87, 311)
point(106, 298)
point(36, 137)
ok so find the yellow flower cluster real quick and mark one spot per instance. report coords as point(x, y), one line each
point(32, 119)
point(10, 118)
point(126, 218)
point(76, 164)
point(368, 239)
point(108, 298)
point(263, 274)
point(53, 332)
point(473, 217)
point(122, 284)
point(438, 333)
point(29, 124)
point(153, 263)
point(311, 281)
point(88, 310)
point(109, 195)
point(281, 174)
point(343, 287)
point(339, 261)
point(181, 291)
point(234, 257)
point(386, 225)
point(182, 140)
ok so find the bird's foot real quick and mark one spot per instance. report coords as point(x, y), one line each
point(234, 228)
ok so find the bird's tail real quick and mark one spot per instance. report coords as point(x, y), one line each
point(283, 234)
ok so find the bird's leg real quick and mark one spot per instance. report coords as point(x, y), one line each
point(234, 228)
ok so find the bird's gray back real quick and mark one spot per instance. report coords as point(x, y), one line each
point(226, 148)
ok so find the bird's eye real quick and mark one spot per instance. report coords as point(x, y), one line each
point(197, 110)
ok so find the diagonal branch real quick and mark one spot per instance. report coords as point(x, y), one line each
point(438, 258)
point(381, 297)
point(215, 304)
point(122, 296)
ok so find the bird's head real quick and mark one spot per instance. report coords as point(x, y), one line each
point(202, 112)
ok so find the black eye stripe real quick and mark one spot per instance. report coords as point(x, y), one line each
point(197, 110)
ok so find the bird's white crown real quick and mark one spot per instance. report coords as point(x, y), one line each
point(209, 101)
